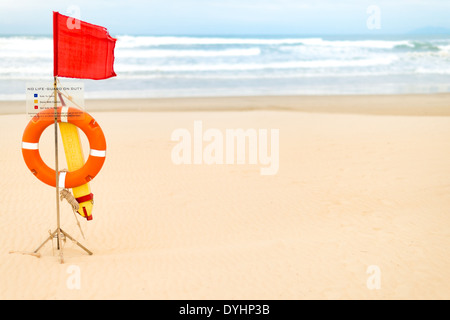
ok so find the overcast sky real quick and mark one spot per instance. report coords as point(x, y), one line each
point(233, 17)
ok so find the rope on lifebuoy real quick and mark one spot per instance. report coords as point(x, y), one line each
point(66, 194)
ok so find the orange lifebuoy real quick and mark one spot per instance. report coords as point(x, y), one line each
point(97, 142)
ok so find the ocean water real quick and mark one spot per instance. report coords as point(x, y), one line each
point(169, 66)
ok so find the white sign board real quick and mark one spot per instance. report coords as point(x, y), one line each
point(40, 96)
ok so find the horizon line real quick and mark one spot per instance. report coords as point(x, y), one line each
point(242, 34)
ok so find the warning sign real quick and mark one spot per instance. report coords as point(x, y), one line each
point(40, 96)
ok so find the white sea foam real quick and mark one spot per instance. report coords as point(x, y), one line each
point(431, 70)
point(26, 47)
point(142, 41)
point(259, 66)
point(127, 53)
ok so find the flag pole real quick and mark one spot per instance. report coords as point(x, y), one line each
point(55, 87)
point(58, 212)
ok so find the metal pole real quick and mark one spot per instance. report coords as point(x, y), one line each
point(58, 218)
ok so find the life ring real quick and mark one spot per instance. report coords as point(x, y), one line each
point(84, 121)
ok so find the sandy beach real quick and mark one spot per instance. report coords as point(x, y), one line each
point(363, 181)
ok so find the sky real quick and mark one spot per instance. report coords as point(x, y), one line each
point(228, 17)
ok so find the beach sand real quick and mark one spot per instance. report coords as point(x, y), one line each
point(363, 182)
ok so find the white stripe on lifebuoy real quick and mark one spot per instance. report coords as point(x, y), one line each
point(64, 114)
point(30, 146)
point(98, 153)
point(62, 179)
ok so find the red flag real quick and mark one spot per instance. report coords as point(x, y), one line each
point(82, 50)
